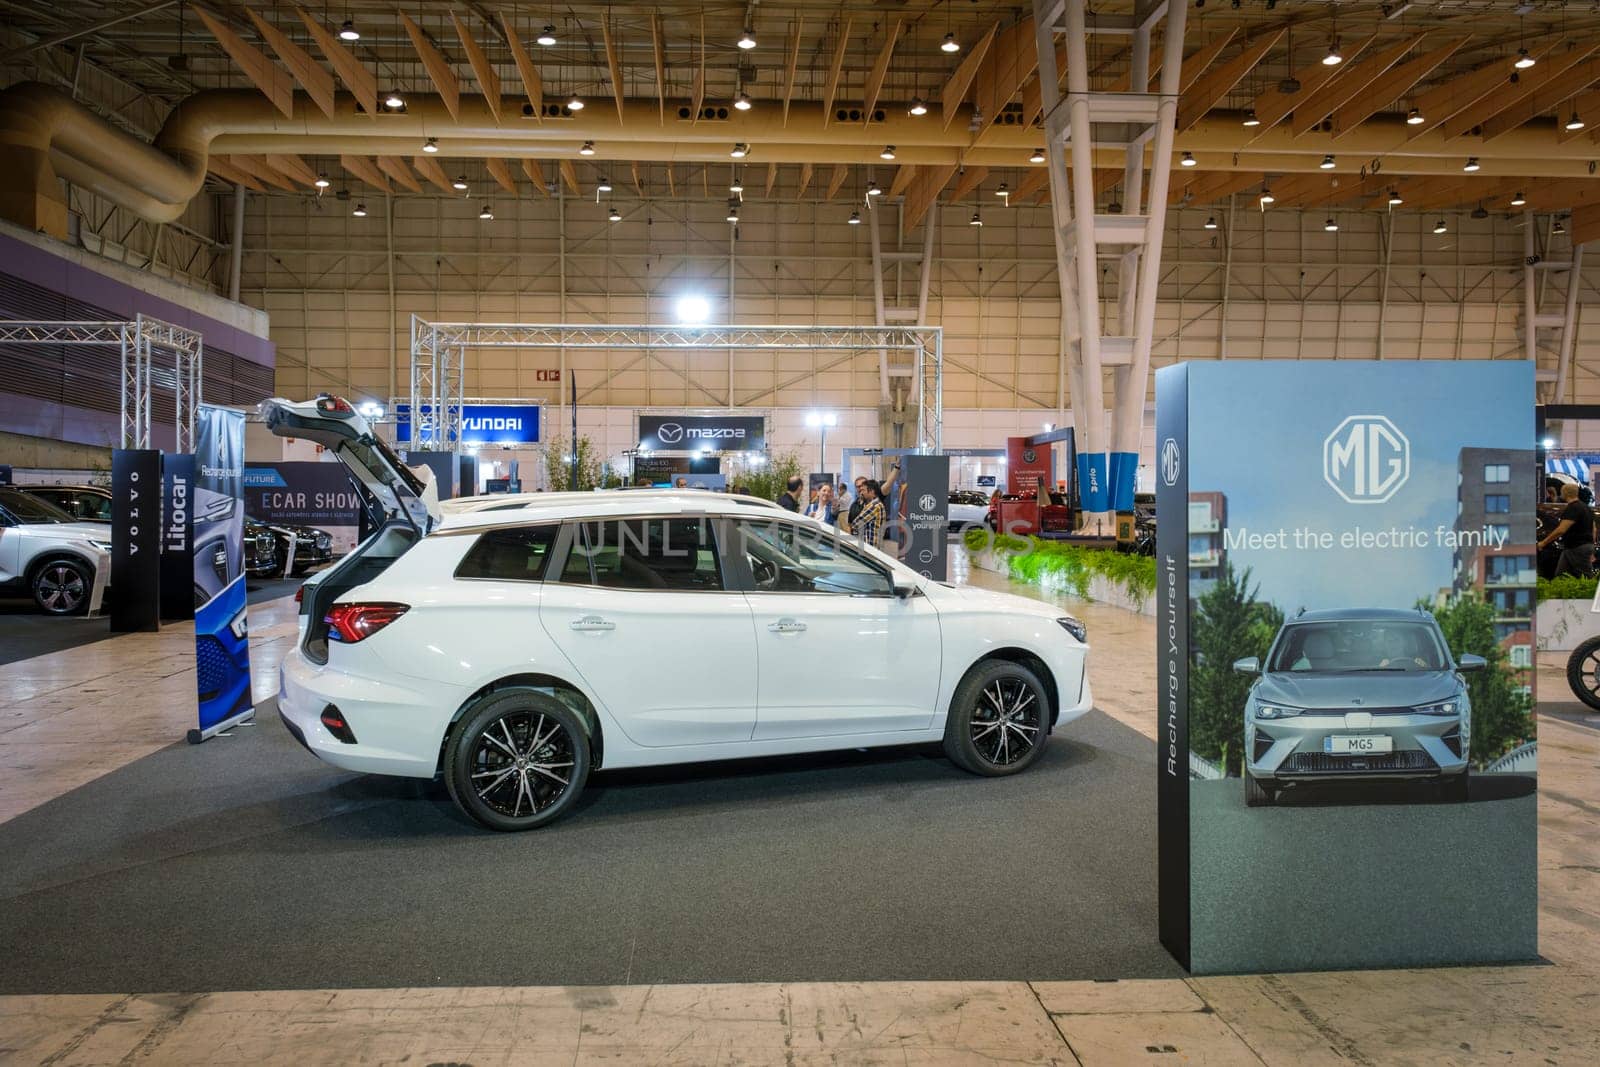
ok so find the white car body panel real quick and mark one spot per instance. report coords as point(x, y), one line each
point(21, 545)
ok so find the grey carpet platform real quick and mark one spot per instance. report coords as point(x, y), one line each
point(244, 863)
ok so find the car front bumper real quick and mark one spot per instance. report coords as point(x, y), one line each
point(398, 728)
point(1293, 749)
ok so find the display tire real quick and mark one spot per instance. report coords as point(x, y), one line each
point(1581, 672)
point(62, 586)
point(474, 757)
point(975, 715)
point(1257, 795)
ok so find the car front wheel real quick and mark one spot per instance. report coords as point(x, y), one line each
point(518, 760)
point(61, 587)
point(997, 720)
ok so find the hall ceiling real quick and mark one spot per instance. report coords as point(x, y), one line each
point(659, 82)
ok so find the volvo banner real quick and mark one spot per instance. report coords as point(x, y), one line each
point(481, 424)
point(221, 632)
point(135, 539)
point(700, 433)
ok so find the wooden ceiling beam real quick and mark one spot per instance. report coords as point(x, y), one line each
point(1554, 95)
point(1551, 72)
point(1585, 224)
point(258, 166)
point(317, 82)
point(224, 169)
point(482, 69)
point(772, 178)
point(638, 183)
point(532, 80)
point(672, 181)
point(1199, 61)
point(361, 82)
point(806, 170)
point(439, 72)
point(613, 63)
point(924, 191)
point(363, 168)
point(1585, 104)
point(1391, 87)
point(275, 83)
point(835, 68)
point(501, 174)
point(1036, 179)
point(1563, 195)
point(1217, 83)
point(791, 64)
point(880, 68)
point(1444, 102)
point(396, 168)
point(902, 178)
point(697, 93)
point(658, 49)
point(429, 168)
point(955, 90)
point(1207, 188)
point(841, 171)
point(1011, 60)
point(569, 174)
point(294, 167)
point(970, 179)
point(1275, 105)
point(1342, 89)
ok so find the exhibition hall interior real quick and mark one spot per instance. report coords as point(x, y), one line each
point(799, 532)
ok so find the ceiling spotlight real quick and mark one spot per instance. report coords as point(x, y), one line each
point(587, 149)
point(1471, 165)
point(360, 212)
point(431, 146)
point(1414, 117)
point(394, 101)
point(1559, 229)
point(1394, 198)
point(873, 188)
point(1327, 162)
point(1333, 58)
point(547, 36)
point(1211, 222)
point(740, 150)
point(604, 186)
point(1266, 195)
point(951, 45)
point(1575, 122)
point(615, 216)
point(1330, 226)
point(1037, 156)
point(348, 31)
point(733, 214)
point(322, 181)
point(918, 107)
point(486, 214)
point(855, 218)
point(1524, 60)
point(977, 220)
point(743, 102)
point(460, 184)
point(747, 40)
point(1480, 212)
point(1250, 118)
point(887, 153)
point(574, 102)
point(1519, 199)
point(1002, 192)
point(1440, 227)
point(736, 186)
point(1187, 160)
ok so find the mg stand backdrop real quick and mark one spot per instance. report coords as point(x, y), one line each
point(1346, 743)
point(221, 632)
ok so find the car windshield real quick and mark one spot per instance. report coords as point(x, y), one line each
point(29, 509)
point(1354, 645)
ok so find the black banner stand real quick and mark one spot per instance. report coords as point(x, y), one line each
point(136, 540)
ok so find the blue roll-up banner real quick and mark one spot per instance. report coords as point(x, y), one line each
point(178, 595)
point(1094, 478)
point(221, 631)
point(1124, 471)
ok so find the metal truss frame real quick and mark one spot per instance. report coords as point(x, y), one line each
point(438, 356)
point(136, 341)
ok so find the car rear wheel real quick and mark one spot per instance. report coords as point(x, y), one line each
point(518, 760)
point(62, 586)
point(997, 719)
point(1583, 672)
point(1257, 795)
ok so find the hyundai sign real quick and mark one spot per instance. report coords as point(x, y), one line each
point(703, 433)
point(481, 424)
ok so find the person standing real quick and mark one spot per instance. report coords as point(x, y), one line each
point(789, 499)
point(1575, 531)
point(822, 508)
point(869, 521)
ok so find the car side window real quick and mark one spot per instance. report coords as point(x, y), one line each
point(789, 558)
point(663, 554)
point(518, 554)
point(94, 506)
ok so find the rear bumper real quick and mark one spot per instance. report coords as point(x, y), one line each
point(398, 729)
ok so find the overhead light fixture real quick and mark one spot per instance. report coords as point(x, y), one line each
point(360, 212)
point(692, 309)
point(918, 107)
point(1327, 162)
point(460, 184)
point(1575, 122)
point(486, 214)
point(740, 150)
point(1524, 60)
point(1559, 229)
point(1394, 198)
point(743, 102)
point(1330, 226)
point(1480, 212)
point(977, 220)
point(887, 153)
point(1440, 227)
point(394, 101)
point(951, 45)
point(1003, 192)
point(855, 218)
point(1037, 156)
point(574, 102)
point(1114, 208)
point(873, 188)
point(547, 36)
point(733, 214)
point(348, 31)
point(322, 181)
point(587, 149)
point(1266, 195)
point(431, 146)
point(1250, 118)
point(1187, 160)
point(1334, 57)
point(615, 216)
point(736, 186)
point(1471, 165)
point(747, 40)
point(1211, 222)
point(604, 186)
point(1414, 117)
point(1519, 199)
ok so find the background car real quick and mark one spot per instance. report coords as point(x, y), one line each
point(46, 554)
point(967, 508)
point(86, 503)
point(312, 547)
point(260, 550)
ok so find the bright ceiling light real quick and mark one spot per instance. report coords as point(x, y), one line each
point(736, 186)
point(322, 181)
point(1266, 196)
point(1519, 199)
point(977, 220)
point(951, 45)
point(547, 36)
point(918, 107)
point(574, 102)
point(1037, 156)
point(855, 218)
point(1211, 222)
point(1187, 160)
point(486, 214)
point(1559, 229)
point(747, 40)
point(1414, 117)
point(1250, 118)
point(1334, 56)
point(431, 145)
point(873, 188)
point(740, 150)
point(1003, 192)
point(692, 309)
point(1524, 60)
point(1330, 226)
point(394, 101)
point(587, 149)
point(1440, 227)
point(604, 186)
point(1575, 122)
point(615, 216)
point(733, 214)
point(1395, 199)
point(1471, 165)
point(887, 153)
point(1327, 162)
point(460, 184)
point(348, 31)
point(360, 212)
point(743, 102)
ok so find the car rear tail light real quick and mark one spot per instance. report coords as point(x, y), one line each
point(333, 719)
point(334, 405)
point(300, 594)
point(350, 623)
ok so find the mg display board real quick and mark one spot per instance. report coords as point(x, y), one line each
point(221, 629)
point(697, 433)
point(508, 425)
point(1346, 739)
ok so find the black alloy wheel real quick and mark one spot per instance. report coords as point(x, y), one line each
point(1583, 672)
point(61, 587)
point(518, 760)
point(998, 719)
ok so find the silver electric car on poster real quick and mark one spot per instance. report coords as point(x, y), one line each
point(1357, 695)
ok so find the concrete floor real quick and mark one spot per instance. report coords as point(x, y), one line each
point(67, 718)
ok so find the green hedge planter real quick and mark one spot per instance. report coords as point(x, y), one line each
point(1067, 568)
point(1566, 587)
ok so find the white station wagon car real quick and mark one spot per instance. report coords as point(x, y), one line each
point(513, 652)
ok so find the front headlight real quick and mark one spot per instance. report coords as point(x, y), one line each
point(1443, 707)
point(1077, 629)
point(1276, 711)
point(104, 546)
point(239, 627)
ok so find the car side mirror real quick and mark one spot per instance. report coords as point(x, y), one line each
point(1248, 665)
point(904, 586)
point(1469, 662)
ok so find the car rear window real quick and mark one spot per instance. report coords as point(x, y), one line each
point(515, 555)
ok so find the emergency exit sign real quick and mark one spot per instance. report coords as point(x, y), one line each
point(547, 375)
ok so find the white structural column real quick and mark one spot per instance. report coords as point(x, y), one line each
point(1081, 121)
point(897, 369)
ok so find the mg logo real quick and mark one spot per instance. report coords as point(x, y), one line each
point(1171, 461)
point(669, 433)
point(1366, 459)
point(928, 501)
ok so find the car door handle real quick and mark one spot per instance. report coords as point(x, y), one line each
point(592, 624)
point(787, 626)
